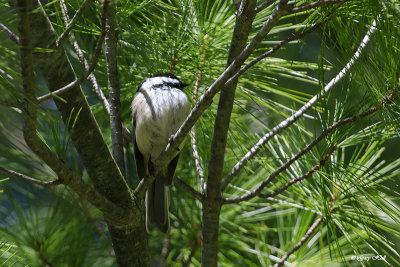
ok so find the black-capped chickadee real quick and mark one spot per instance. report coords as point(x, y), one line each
point(158, 110)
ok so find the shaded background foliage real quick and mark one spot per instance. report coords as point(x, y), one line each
point(53, 226)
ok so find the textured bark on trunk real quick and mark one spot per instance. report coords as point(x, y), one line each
point(110, 47)
point(127, 232)
point(130, 244)
point(212, 203)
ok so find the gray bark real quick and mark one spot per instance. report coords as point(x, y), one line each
point(212, 202)
point(127, 232)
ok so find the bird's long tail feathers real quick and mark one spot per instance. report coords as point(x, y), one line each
point(157, 198)
point(157, 206)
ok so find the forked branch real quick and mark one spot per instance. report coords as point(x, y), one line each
point(30, 122)
point(197, 195)
point(207, 98)
point(300, 178)
point(256, 191)
point(70, 24)
point(299, 113)
point(94, 62)
point(316, 4)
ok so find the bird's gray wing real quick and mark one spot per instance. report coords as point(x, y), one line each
point(139, 159)
point(141, 172)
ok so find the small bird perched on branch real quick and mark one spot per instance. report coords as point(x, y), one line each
point(158, 110)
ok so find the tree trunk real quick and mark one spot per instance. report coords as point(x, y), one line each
point(212, 203)
point(128, 235)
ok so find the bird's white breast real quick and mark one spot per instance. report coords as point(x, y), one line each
point(159, 112)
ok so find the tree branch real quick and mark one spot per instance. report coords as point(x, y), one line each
point(92, 77)
point(80, 187)
point(207, 98)
point(299, 113)
point(264, 5)
point(316, 4)
point(302, 177)
point(310, 230)
point(83, 60)
point(276, 48)
point(29, 129)
point(141, 188)
point(196, 158)
point(165, 249)
point(193, 142)
point(31, 179)
point(303, 240)
point(256, 191)
point(10, 34)
point(11, 104)
point(197, 195)
point(212, 202)
point(143, 185)
point(236, 3)
point(92, 66)
point(126, 225)
point(110, 48)
point(70, 24)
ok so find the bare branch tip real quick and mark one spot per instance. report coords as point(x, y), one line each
point(30, 179)
point(10, 34)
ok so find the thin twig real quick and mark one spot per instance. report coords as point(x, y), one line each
point(10, 34)
point(300, 178)
point(276, 48)
point(39, 250)
point(94, 62)
point(195, 248)
point(31, 179)
point(196, 229)
point(281, 44)
point(303, 240)
point(264, 5)
point(165, 249)
point(236, 3)
point(193, 142)
point(316, 4)
point(141, 188)
point(256, 191)
point(70, 24)
point(196, 158)
point(197, 195)
point(143, 185)
point(310, 230)
point(92, 77)
point(83, 60)
point(299, 113)
point(11, 104)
